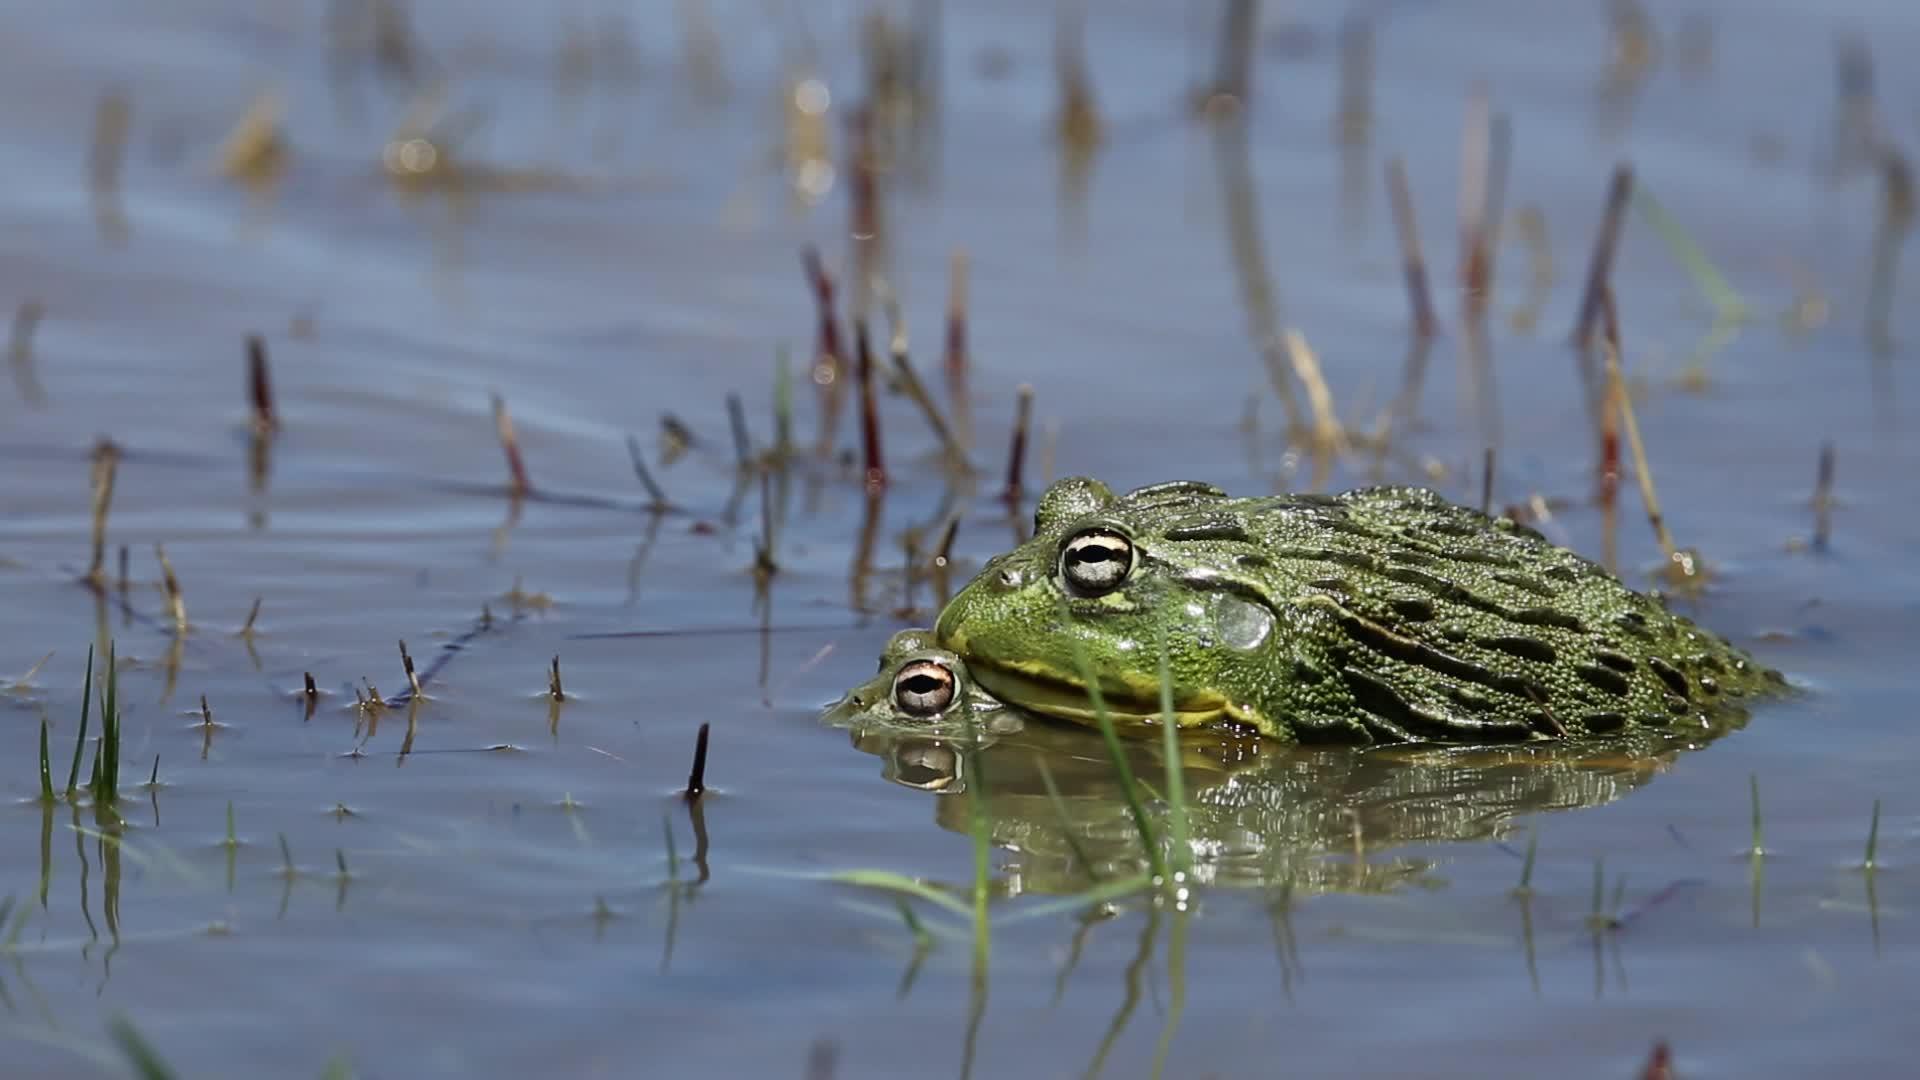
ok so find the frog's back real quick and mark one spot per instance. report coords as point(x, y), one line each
point(1416, 617)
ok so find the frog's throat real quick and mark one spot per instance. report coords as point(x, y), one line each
point(1131, 704)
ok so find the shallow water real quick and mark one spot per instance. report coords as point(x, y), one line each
point(509, 903)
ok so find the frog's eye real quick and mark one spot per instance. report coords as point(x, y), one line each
point(1096, 561)
point(923, 688)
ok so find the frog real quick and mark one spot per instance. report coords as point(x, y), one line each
point(1385, 614)
point(923, 690)
point(1258, 814)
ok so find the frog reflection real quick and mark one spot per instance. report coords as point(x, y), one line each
point(1313, 819)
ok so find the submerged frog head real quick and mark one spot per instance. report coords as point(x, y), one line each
point(922, 689)
point(1115, 578)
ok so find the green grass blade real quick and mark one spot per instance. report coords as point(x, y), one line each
point(982, 829)
point(782, 400)
point(1706, 276)
point(140, 1053)
point(1873, 836)
point(673, 853)
point(1177, 825)
point(107, 786)
point(900, 883)
point(1176, 988)
point(46, 769)
point(80, 743)
point(1525, 888)
point(1099, 894)
point(1122, 771)
point(921, 937)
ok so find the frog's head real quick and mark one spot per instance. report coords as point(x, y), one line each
point(923, 689)
point(1120, 578)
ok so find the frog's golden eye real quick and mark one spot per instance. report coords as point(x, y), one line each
point(923, 688)
point(1095, 561)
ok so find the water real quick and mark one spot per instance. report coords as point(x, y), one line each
point(509, 903)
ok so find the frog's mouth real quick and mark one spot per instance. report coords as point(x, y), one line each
point(1131, 704)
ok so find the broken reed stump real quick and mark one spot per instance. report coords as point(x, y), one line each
point(106, 463)
point(1476, 148)
point(1017, 453)
point(697, 777)
point(176, 601)
point(413, 678)
point(656, 495)
point(956, 346)
point(874, 474)
point(1233, 62)
point(260, 387)
point(517, 482)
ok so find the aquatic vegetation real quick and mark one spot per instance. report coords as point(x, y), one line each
point(103, 782)
point(1034, 850)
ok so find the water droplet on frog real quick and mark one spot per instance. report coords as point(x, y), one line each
point(1242, 625)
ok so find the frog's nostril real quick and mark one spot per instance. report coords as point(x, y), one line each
point(1010, 578)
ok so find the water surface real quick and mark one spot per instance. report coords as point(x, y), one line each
point(509, 903)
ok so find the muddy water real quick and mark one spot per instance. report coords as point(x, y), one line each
point(510, 902)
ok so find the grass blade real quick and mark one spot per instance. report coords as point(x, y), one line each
point(1872, 840)
point(1122, 771)
point(80, 743)
point(46, 770)
point(140, 1053)
point(900, 883)
point(982, 830)
point(1177, 826)
point(108, 790)
point(1110, 890)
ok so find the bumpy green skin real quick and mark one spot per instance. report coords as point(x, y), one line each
point(1378, 615)
point(872, 707)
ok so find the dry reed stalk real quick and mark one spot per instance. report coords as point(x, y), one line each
point(176, 600)
point(106, 463)
point(517, 482)
point(1017, 453)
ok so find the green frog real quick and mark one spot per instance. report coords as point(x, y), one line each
point(1379, 615)
point(1317, 819)
point(922, 689)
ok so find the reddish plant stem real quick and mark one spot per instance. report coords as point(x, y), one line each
point(517, 484)
point(1610, 409)
point(260, 386)
point(1600, 269)
point(1414, 267)
point(875, 477)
